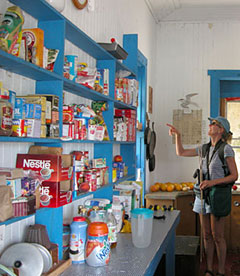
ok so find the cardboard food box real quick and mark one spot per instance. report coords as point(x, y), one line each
point(52, 195)
point(50, 167)
point(35, 43)
point(45, 150)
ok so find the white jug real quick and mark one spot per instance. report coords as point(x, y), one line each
point(141, 223)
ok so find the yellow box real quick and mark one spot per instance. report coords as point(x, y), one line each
point(35, 43)
point(43, 118)
point(43, 131)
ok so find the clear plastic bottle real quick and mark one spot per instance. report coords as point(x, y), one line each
point(112, 228)
point(84, 214)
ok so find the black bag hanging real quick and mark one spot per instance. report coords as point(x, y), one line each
point(219, 197)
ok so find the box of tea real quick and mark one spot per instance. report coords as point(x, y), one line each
point(47, 167)
point(52, 195)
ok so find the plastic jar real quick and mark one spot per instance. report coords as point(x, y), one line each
point(6, 112)
point(78, 240)
point(97, 247)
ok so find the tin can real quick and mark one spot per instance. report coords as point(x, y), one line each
point(97, 247)
point(78, 240)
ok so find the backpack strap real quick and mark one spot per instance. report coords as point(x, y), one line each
point(221, 156)
point(206, 148)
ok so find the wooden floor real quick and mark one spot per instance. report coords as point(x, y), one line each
point(232, 264)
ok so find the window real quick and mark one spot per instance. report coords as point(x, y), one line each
point(232, 113)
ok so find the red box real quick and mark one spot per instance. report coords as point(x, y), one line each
point(49, 167)
point(24, 206)
point(51, 195)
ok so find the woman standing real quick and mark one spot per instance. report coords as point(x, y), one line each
point(213, 173)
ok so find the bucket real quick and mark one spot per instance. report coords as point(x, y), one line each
point(141, 221)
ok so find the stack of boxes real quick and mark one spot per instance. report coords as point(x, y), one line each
point(125, 125)
point(36, 116)
point(126, 90)
point(55, 172)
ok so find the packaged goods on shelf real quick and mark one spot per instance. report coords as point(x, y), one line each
point(6, 112)
point(126, 198)
point(131, 185)
point(70, 67)
point(12, 173)
point(48, 167)
point(53, 195)
point(124, 125)
point(16, 186)
point(6, 195)
point(33, 128)
point(103, 80)
point(35, 43)
point(50, 57)
point(10, 28)
point(24, 206)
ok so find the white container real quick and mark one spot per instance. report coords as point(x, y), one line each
point(141, 223)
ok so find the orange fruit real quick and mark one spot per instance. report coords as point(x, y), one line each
point(154, 188)
point(190, 185)
point(158, 185)
point(178, 187)
point(163, 187)
point(170, 187)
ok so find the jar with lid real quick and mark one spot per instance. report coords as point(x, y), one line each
point(78, 240)
point(6, 112)
point(97, 247)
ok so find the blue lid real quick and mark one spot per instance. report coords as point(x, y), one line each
point(147, 213)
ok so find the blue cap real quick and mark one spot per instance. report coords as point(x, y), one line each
point(223, 121)
point(146, 213)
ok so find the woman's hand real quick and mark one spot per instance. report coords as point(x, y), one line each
point(205, 184)
point(172, 130)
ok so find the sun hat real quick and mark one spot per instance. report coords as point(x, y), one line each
point(223, 121)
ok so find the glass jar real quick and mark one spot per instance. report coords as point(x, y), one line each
point(6, 112)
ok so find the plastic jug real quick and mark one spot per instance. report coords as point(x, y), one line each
point(141, 221)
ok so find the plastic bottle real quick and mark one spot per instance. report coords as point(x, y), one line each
point(112, 228)
point(84, 214)
point(97, 247)
point(78, 240)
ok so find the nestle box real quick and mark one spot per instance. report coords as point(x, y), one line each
point(51, 195)
point(49, 167)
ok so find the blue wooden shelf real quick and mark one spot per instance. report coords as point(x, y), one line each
point(19, 66)
point(83, 91)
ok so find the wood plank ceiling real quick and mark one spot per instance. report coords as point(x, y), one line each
point(194, 10)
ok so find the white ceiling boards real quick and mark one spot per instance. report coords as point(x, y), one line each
point(194, 10)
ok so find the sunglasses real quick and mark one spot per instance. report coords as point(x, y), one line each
point(215, 124)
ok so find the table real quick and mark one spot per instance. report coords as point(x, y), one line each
point(128, 260)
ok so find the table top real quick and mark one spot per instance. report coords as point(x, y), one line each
point(168, 195)
point(129, 260)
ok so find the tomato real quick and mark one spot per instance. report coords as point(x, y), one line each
point(118, 158)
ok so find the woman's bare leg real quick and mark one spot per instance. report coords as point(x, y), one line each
point(207, 240)
point(218, 236)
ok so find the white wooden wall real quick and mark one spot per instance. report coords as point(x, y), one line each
point(185, 51)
